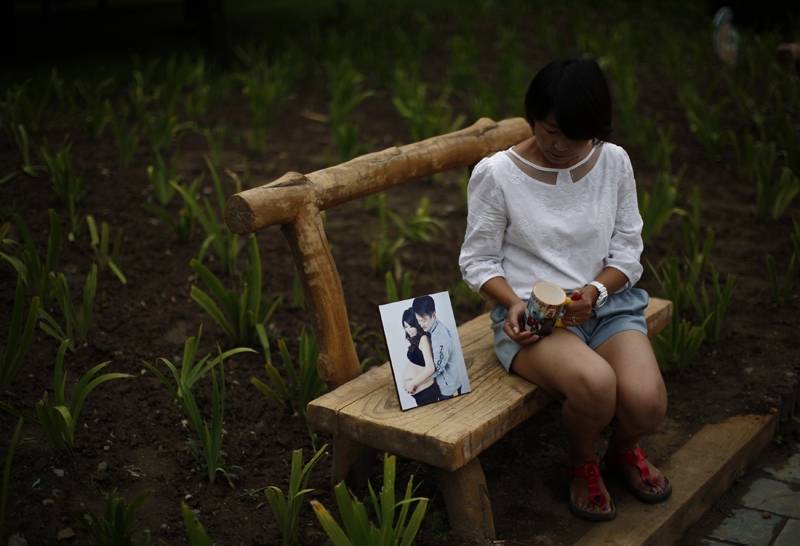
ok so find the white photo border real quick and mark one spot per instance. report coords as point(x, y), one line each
point(397, 345)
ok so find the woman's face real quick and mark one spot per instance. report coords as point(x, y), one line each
point(410, 330)
point(559, 150)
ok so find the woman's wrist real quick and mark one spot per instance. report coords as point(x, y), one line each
point(591, 292)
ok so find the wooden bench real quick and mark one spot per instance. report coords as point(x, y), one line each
point(362, 411)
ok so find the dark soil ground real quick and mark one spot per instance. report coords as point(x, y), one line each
point(130, 436)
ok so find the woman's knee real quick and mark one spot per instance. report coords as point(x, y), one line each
point(595, 388)
point(643, 408)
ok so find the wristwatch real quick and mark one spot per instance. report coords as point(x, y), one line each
point(603, 297)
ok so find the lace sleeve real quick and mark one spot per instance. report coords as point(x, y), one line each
point(625, 248)
point(482, 250)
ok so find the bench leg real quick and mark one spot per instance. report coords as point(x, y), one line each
point(352, 462)
point(467, 499)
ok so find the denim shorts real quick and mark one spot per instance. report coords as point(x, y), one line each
point(623, 311)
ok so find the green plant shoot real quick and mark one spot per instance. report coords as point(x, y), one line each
point(359, 530)
point(118, 523)
point(226, 244)
point(163, 178)
point(210, 436)
point(184, 225)
point(306, 384)
point(194, 529)
point(384, 247)
point(287, 508)
point(67, 185)
point(60, 419)
point(127, 136)
point(7, 476)
point(100, 245)
point(35, 273)
point(20, 335)
point(677, 345)
point(424, 116)
point(712, 312)
point(192, 370)
point(237, 313)
point(781, 292)
point(77, 322)
point(422, 225)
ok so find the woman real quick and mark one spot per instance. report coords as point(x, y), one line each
point(420, 362)
point(561, 207)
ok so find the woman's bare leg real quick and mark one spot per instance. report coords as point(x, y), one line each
point(566, 368)
point(641, 398)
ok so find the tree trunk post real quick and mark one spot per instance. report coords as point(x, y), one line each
point(337, 362)
point(466, 497)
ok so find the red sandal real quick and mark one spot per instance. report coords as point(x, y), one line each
point(636, 456)
point(591, 473)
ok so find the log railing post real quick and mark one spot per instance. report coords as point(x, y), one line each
point(337, 362)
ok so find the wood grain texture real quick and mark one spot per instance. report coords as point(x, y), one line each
point(700, 472)
point(269, 205)
point(279, 201)
point(337, 362)
point(450, 433)
point(466, 497)
point(658, 315)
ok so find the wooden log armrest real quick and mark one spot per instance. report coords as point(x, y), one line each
point(450, 433)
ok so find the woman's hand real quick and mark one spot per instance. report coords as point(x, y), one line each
point(577, 311)
point(513, 324)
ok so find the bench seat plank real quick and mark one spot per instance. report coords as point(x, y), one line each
point(450, 433)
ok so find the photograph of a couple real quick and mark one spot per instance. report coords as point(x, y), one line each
point(424, 350)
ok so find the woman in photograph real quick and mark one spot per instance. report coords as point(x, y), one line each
point(420, 362)
point(561, 207)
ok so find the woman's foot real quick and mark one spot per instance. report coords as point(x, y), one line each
point(637, 473)
point(589, 498)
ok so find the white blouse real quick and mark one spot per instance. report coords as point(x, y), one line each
point(529, 224)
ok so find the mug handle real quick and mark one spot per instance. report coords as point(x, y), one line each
point(559, 323)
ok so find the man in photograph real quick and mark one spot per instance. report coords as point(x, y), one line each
point(446, 371)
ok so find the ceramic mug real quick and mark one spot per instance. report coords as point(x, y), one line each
point(544, 309)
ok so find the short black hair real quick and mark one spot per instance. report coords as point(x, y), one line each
point(424, 306)
point(577, 92)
